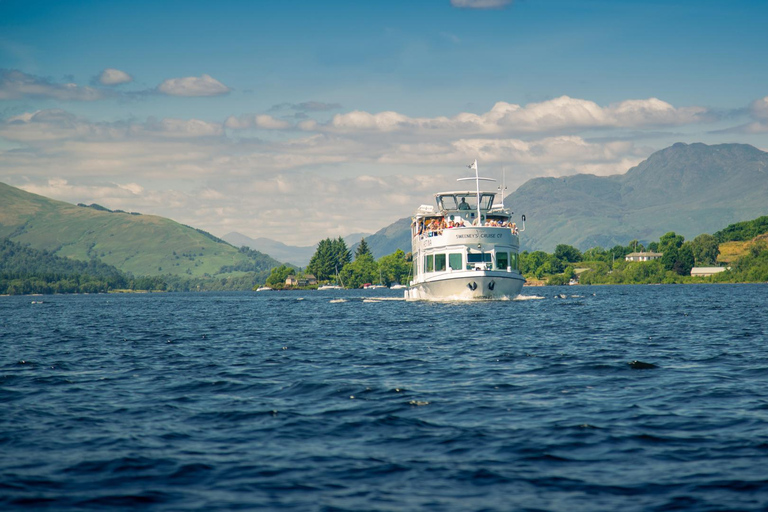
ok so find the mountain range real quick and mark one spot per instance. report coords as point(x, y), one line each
point(686, 188)
point(297, 256)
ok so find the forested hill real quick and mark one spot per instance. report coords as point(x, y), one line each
point(144, 245)
point(686, 188)
point(24, 270)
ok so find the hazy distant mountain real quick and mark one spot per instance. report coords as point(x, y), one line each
point(295, 255)
point(687, 188)
point(140, 244)
point(389, 239)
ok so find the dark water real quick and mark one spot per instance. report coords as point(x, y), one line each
point(287, 401)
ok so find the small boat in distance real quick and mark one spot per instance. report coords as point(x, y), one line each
point(263, 289)
point(397, 286)
point(330, 287)
point(466, 248)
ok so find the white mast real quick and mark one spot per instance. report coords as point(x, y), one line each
point(477, 179)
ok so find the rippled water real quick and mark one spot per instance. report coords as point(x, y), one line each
point(300, 401)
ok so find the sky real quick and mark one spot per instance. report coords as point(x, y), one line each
point(300, 120)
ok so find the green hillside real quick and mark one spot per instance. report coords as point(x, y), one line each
point(139, 244)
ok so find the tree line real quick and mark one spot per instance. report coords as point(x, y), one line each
point(608, 266)
point(332, 262)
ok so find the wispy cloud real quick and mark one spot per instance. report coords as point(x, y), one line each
point(307, 106)
point(16, 85)
point(204, 85)
point(480, 4)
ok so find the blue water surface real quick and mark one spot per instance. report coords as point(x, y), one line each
point(356, 400)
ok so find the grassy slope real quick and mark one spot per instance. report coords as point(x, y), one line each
point(141, 244)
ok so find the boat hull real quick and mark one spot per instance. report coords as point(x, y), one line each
point(479, 285)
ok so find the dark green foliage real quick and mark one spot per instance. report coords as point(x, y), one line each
point(395, 268)
point(361, 271)
point(329, 258)
point(705, 250)
point(362, 249)
point(278, 275)
point(742, 231)
point(24, 270)
point(567, 253)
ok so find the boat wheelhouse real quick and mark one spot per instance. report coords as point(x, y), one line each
point(465, 247)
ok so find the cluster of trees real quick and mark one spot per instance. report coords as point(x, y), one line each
point(608, 266)
point(333, 262)
point(24, 270)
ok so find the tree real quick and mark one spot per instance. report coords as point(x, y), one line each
point(705, 249)
point(395, 268)
point(567, 253)
point(361, 271)
point(278, 276)
point(329, 258)
point(363, 249)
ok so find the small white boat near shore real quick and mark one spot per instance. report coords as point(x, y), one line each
point(263, 289)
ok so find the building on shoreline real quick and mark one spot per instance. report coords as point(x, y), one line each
point(643, 256)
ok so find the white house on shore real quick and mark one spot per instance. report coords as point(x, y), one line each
point(643, 256)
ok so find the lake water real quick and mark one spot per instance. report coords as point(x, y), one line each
point(296, 401)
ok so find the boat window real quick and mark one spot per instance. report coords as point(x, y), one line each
point(479, 257)
point(447, 203)
point(429, 263)
point(502, 260)
point(415, 267)
point(454, 260)
point(514, 261)
point(439, 262)
point(466, 202)
point(486, 201)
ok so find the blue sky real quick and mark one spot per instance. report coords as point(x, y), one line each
point(241, 116)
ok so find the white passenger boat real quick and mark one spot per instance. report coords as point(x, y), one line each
point(465, 248)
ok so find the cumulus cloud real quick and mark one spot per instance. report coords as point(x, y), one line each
point(219, 177)
point(111, 76)
point(204, 85)
point(16, 85)
point(563, 113)
point(480, 4)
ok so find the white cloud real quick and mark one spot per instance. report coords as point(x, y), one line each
point(111, 76)
point(204, 85)
point(759, 108)
point(16, 85)
point(480, 4)
point(563, 113)
point(300, 183)
point(263, 121)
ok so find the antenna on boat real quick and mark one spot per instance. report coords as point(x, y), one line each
point(502, 188)
point(477, 180)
